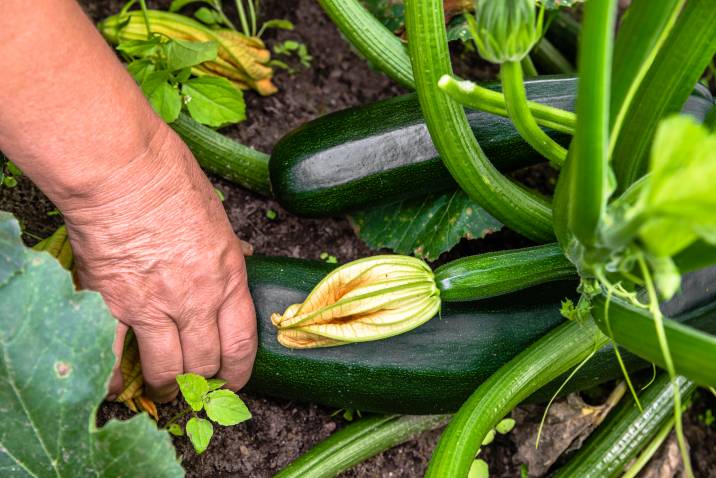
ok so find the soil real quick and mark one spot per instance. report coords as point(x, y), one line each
point(281, 430)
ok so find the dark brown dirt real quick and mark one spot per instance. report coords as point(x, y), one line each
point(281, 430)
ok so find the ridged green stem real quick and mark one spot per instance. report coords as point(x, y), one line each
point(478, 97)
point(521, 210)
point(225, 157)
point(357, 442)
point(375, 42)
point(516, 101)
point(588, 173)
point(692, 351)
point(554, 354)
point(627, 431)
point(675, 64)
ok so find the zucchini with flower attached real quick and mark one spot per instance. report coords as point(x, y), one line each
point(432, 368)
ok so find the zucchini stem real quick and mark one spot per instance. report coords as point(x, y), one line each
point(372, 39)
point(478, 97)
point(522, 210)
point(655, 311)
point(554, 354)
point(516, 101)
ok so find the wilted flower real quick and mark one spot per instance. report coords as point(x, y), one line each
point(505, 30)
point(367, 299)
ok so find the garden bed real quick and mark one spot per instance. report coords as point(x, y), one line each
point(281, 430)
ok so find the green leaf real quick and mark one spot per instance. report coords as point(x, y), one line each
point(479, 469)
point(163, 97)
point(215, 383)
point(193, 388)
point(55, 361)
point(427, 226)
point(489, 437)
point(141, 69)
point(140, 48)
point(206, 15)
point(200, 432)
point(226, 408)
point(214, 101)
point(679, 198)
point(182, 53)
point(176, 430)
point(277, 23)
point(505, 426)
point(179, 4)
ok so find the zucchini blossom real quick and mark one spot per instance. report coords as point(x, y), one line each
point(505, 30)
point(363, 300)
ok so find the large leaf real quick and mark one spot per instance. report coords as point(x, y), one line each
point(55, 361)
point(426, 227)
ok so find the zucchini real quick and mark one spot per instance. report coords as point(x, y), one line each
point(495, 273)
point(382, 152)
point(432, 369)
point(347, 159)
point(223, 156)
point(359, 441)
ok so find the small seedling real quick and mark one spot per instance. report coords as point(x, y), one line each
point(324, 256)
point(349, 414)
point(220, 194)
point(8, 172)
point(221, 406)
point(271, 214)
point(707, 418)
point(479, 469)
point(292, 47)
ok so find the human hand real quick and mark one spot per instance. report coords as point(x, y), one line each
point(154, 240)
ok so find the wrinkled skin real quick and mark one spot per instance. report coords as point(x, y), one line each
point(146, 227)
point(168, 264)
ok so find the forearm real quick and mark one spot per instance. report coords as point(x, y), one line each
point(70, 115)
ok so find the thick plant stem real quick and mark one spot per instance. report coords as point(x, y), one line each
point(375, 42)
point(554, 354)
point(521, 210)
point(516, 101)
point(480, 98)
point(358, 442)
point(626, 432)
point(588, 174)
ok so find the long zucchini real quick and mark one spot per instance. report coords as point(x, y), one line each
point(489, 275)
point(432, 369)
point(382, 152)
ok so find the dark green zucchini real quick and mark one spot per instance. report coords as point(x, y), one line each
point(432, 369)
point(383, 152)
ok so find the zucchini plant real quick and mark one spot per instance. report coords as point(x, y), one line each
point(632, 212)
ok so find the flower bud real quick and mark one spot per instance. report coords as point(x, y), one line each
point(367, 299)
point(505, 30)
